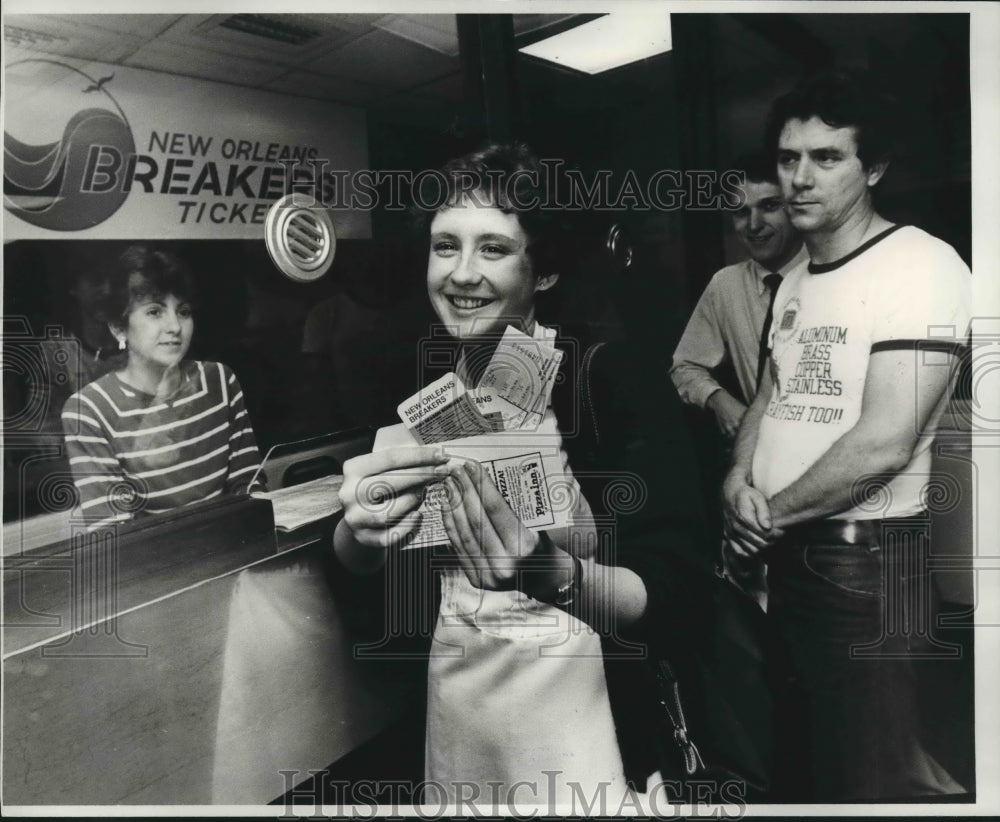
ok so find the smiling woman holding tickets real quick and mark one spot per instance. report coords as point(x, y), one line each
point(162, 432)
point(521, 692)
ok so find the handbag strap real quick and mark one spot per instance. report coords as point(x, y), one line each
point(586, 392)
point(667, 687)
point(669, 695)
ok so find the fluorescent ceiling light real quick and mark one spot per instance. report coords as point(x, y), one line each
point(608, 42)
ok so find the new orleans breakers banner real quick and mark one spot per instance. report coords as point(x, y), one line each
point(106, 152)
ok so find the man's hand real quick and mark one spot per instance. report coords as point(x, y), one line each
point(728, 412)
point(747, 516)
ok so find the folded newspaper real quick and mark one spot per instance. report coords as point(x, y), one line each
point(501, 423)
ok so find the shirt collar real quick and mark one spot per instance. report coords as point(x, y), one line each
point(759, 272)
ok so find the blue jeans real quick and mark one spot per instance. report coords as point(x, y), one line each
point(851, 624)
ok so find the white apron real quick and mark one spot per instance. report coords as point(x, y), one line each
point(517, 694)
point(518, 714)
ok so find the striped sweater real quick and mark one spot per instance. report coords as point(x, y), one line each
point(130, 453)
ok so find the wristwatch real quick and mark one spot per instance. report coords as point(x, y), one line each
point(566, 593)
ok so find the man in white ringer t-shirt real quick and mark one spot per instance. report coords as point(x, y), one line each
point(832, 458)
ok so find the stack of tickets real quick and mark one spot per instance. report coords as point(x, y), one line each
point(500, 422)
point(512, 394)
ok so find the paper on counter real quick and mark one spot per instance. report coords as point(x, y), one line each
point(299, 505)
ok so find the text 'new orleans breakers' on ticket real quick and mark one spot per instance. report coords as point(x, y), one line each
point(501, 422)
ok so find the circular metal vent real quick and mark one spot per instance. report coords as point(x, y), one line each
point(300, 238)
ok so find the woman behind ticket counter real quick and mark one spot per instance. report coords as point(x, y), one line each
point(519, 692)
point(160, 432)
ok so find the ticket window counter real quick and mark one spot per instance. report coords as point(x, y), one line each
point(197, 657)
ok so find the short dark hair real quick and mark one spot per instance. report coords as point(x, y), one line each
point(161, 272)
point(759, 166)
point(841, 98)
point(510, 177)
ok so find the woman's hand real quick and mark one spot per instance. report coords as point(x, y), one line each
point(382, 492)
point(496, 551)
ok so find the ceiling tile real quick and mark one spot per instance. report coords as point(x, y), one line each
point(140, 25)
point(170, 57)
point(208, 31)
point(349, 61)
point(67, 36)
point(355, 23)
point(383, 59)
point(435, 31)
point(527, 23)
